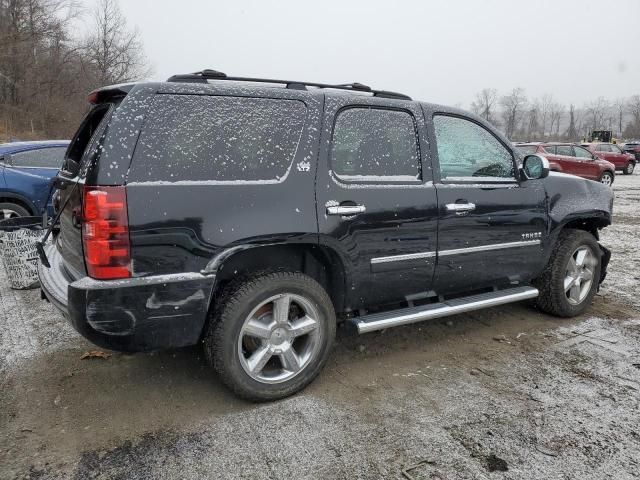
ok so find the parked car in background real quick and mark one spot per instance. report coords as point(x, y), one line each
point(612, 153)
point(27, 170)
point(632, 148)
point(573, 159)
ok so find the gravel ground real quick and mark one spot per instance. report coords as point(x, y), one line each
point(502, 393)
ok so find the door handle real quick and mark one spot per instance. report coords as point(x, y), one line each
point(346, 210)
point(461, 208)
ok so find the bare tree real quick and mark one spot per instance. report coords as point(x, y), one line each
point(513, 106)
point(556, 113)
point(114, 52)
point(597, 112)
point(484, 103)
point(572, 132)
point(620, 107)
point(545, 113)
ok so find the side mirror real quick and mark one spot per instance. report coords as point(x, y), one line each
point(535, 167)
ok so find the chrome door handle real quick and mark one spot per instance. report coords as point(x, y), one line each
point(346, 210)
point(461, 208)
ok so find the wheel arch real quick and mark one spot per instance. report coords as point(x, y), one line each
point(319, 262)
point(9, 197)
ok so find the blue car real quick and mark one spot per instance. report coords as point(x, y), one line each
point(27, 170)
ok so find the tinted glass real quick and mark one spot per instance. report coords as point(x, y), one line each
point(582, 152)
point(201, 138)
point(42, 158)
point(375, 144)
point(465, 149)
point(564, 150)
point(526, 149)
point(550, 149)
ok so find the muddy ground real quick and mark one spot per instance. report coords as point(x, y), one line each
point(502, 393)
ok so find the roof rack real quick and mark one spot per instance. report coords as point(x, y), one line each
point(205, 75)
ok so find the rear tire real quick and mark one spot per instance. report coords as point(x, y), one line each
point(628, 170)
point(12, 210)
point(271, 335)
point(607, 179)
point(570, 280)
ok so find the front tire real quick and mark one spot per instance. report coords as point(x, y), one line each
point(607, 179)
point(570, 280)
point(271, 335)
point(628, 170)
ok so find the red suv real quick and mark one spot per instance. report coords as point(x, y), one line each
point(573, 159)
point(612, 153)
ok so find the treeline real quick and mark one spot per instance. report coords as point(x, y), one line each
point(46, 68)
point(529, 119)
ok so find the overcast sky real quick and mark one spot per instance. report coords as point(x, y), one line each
point(442, 51)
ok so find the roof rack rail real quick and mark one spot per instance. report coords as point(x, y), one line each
point(205, 75)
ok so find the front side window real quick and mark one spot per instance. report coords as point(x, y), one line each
point(582, 153)
point(615, 149)
point(467, 150)
point(564, 150)
point(40, 158)
point(602, 148)
point(218, 138)
point(373, 144)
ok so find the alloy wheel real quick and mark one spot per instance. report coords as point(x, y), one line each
point(279, 338)
point(606, 179)
point(579, 275)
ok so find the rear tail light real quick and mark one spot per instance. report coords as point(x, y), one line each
point(105, 232)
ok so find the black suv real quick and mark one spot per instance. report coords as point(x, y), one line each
point(252, 215)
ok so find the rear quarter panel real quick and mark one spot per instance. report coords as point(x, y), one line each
point(179, 226)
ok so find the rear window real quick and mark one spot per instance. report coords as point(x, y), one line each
point(217, 138)
point(40, 158)
point(526, 149)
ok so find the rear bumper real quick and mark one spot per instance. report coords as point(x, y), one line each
point(137, 314)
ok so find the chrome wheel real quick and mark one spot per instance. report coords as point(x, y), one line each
point(7, 213)
point(279, 338)
point(579, 275)
point(606, 179)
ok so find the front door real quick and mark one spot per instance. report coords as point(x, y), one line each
point(491, 225)
point(377, 206)
point(588, 166)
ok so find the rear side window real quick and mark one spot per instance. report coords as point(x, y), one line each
point(40, 158)
point(468, 151)
point(603, 148)
point(565, 150)
point(374, 144)
point(225, 139)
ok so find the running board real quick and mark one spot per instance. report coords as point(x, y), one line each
point(394, 318)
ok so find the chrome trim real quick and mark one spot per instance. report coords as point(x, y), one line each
point(460, 208)
point(487, 248)
point(346, 210)
point(380, 321)
point(400, 258)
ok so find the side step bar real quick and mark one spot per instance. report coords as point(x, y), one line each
point(394, 318)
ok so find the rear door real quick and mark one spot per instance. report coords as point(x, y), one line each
point(491, 224)
point(376, 203)
point(565, 158)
